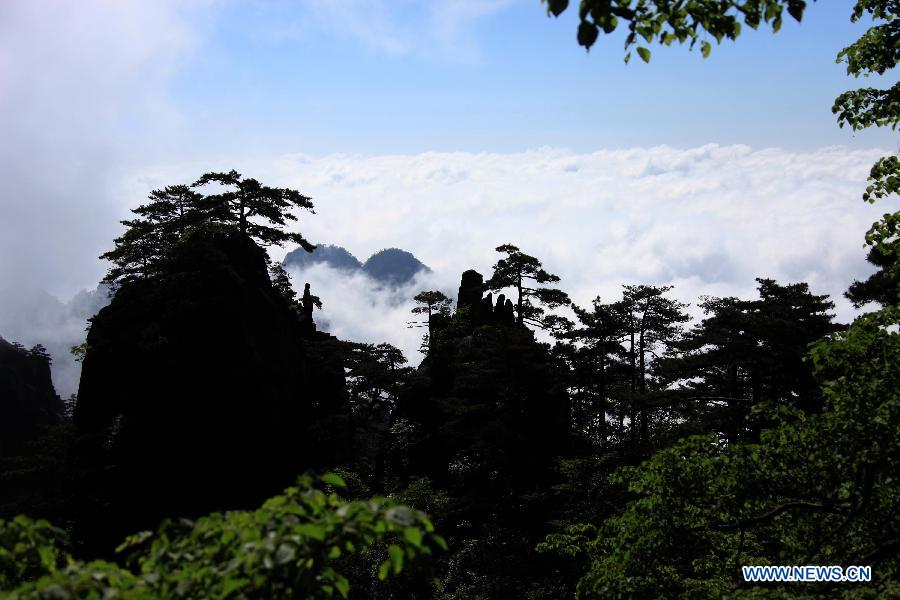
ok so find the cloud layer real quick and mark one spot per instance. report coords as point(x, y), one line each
point(74, 97)
point(707, 220)
point(356, 307)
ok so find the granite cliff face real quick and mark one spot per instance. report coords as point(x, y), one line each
point(27, 398)
point(202, 389)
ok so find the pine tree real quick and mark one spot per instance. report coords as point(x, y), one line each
point(527, 276)
point(596, 365)
point(432, 303)
point(653, 323)
point(257, 211)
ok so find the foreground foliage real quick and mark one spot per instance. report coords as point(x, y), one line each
point(295, 546)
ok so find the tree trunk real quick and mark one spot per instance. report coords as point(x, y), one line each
point(519, 318)
point(645, 426)
point(633, 373)
point(243, 217)
point(602, 404)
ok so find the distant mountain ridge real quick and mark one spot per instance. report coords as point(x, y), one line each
point(391, 266)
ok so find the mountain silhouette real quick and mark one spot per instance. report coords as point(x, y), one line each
point(391, 266)
point(333, 256)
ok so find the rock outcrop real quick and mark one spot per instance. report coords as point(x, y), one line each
point(202, 389)
point(27, 398)
point(483, 414)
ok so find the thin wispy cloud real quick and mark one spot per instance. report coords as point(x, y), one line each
point(446, 30)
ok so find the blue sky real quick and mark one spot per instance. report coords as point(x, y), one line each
point(404, 77)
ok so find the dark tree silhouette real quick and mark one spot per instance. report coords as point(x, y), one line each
point(746, 352)
point(281, 281)
point(433, 304)
point(172, 210)
point(882, 286)
point(653, 322)
point(257, 211)
point(136, 254)
point(595, 363)
point(527, 276)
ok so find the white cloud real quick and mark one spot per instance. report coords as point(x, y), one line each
point(355, 307)
point(79, 83)
point(437, 29)
point(707, 220)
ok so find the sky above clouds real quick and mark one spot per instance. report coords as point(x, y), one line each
point(444, 128)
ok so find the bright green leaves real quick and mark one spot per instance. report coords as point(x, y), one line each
point(395, 556)
point(413, 536)
point(315, 532)
point(29, 549)
point(334, 479)
point(291, 547)
point(665, 21)
point(876, 52)
point(867, 107)
point(394, 562)
point(884, 179)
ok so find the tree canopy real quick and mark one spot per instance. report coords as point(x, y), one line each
point(526, 275)
point(242, 205)
point(258, 211)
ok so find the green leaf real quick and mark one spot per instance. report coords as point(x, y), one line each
point(396, 555)
point(316, 532)
point(334, 479)
point(383, 570)
point(440, 541)
point(644, 54)
point(231, 585)
point(705, 47)
point(342, 585)
point(413, 536)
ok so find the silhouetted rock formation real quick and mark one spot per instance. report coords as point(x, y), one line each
point(307, 305)
point(27, 398)
point(201, 390)
point(478, 310)
point(471, 287)
point(483, 415)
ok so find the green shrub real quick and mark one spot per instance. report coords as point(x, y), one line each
point(294, 546)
